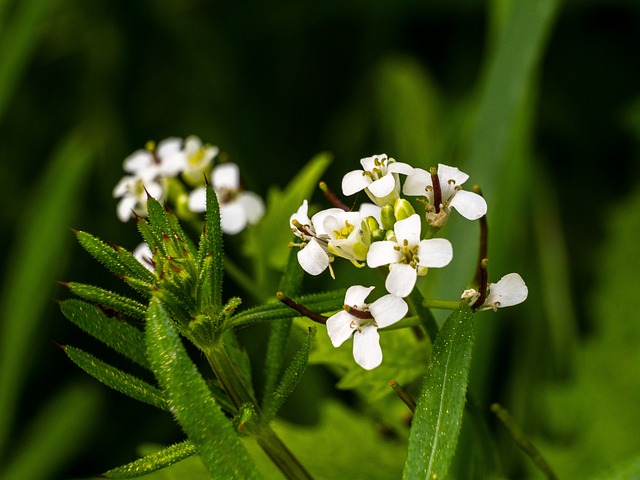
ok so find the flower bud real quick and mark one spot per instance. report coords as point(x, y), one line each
point(402, 209)
point(387, 217)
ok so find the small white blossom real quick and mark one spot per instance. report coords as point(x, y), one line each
point(362, 321)
point(469, 204)
point(197, 158)
point(132, 190)
point(408, 256)
point(329, 233)
point(238, 208)
point(379, 179)
point(165, 160)
point(510, 290)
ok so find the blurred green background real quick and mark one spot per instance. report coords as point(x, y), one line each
point(538, 101)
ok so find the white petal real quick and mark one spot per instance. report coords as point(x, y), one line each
point(339, 327)
point(369, 163)
point(469, 204)
point(383, 186)
point(169, 146)
point(401, 279)
point(417, 182)
point(313, 259)
point(370, 210)
point(356, 296)
point(301, 215)
point(354, 182)
point(198, 200)
point(366, 348)
point(138, 161)
point(435, 252)
point(125, 206)
point(226, 176)
point(233, 217)
point(253, 206)
point(388, 310)
point(400, 167)
point(446, 173)
point(154, 189)
point(123, 186)
point(383, 253)
point(408, 229)
point(510, 290)
point(319, 218)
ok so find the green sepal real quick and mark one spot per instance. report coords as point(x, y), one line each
point(438, 416)
point(154, 461)
point(106, 298)
point(211, 248)
point(122, 337)
point(191, 402)
point(117, 379)
point(290, 378)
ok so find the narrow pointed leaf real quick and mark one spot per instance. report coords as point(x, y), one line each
point(122, 337)
point(290, 379)
point(438, 416)
point(290, 282)
point(109, 299)
point(191, 402)
point(211, 246)
point(134, 266)
point(117, 379)
point(154, 461)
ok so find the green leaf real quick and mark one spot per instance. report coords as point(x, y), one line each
point(267, 241)
point(154, 461)
point(290, 379)
point(110, 258)
point(290, 282)
point(117, 379)
point(200, 417)
point(34, 262)
point(109, 299)
point(211, 247)
point(438, 415)
point(122, 337)
point(62, 427)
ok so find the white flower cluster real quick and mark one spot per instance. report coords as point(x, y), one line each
point(156, 170)
point(387, 233)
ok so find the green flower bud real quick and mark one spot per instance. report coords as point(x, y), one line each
point(388, 218)
point(403, 209)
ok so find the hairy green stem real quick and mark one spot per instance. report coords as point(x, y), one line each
point(240, 394)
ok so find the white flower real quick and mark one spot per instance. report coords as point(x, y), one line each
point(408, 256)
point(363, 320)
point(238, 208)
point(469, 204)
point(329, 233)
point(510, 290)
point(197, 158)
point(144, 255)
point(131, 190)
point(166, 160)
point(379, 179)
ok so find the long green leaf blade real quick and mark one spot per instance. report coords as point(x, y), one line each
point(122, 337)
point(211, 246)
point(117, 379)
point(438, 415)
point(154, 461)
point(200, 417)
point(109, 299)
point(290, 379)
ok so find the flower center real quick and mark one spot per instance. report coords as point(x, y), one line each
point(343, 232)
point(409, 254)
point(197, 157)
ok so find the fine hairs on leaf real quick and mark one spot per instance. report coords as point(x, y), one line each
point(191, 402)
point(438, 416)
point(154, 461)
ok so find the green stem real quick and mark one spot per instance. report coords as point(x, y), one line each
point(240, 394)
point(441, 304)
point(426, 317)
